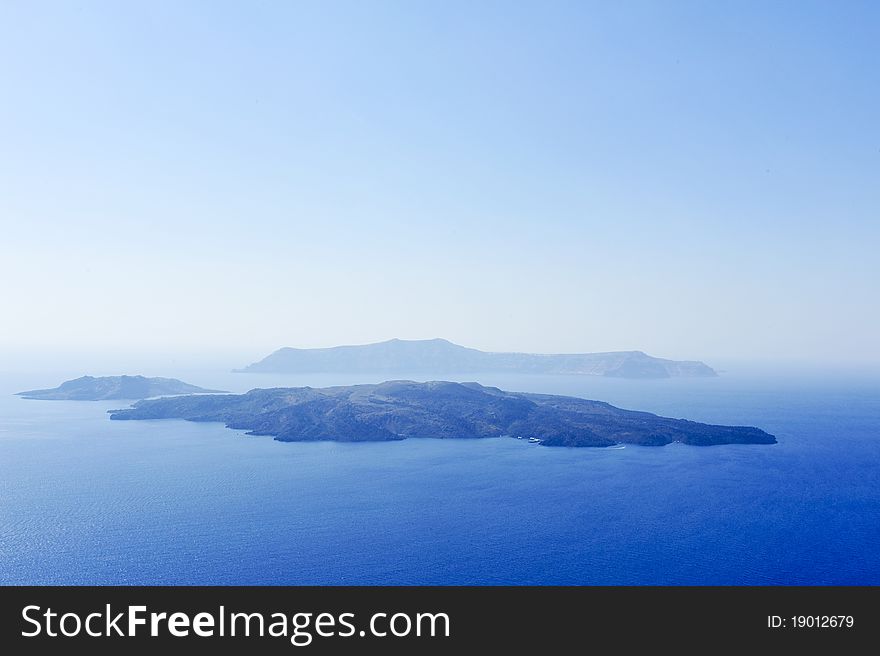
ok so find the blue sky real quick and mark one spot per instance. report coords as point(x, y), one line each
point(696, 180)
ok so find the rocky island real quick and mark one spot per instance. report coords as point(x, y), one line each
point(90, 388)
point(397, 410)
point(439, 356)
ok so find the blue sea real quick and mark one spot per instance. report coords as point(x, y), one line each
point(86, 500)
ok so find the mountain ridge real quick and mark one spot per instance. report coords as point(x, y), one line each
point(440, 356)
point(91, 388)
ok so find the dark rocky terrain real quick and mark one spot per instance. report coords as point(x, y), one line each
point(396, 410)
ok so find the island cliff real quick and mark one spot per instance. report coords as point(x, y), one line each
point(396, 410)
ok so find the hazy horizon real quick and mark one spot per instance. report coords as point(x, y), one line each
point(203, 182)
point(51, 362)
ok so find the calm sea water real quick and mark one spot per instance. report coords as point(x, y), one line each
point(84, 500)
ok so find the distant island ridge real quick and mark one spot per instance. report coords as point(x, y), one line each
point(440, 356)
point(396, 410)
point(90, 388)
